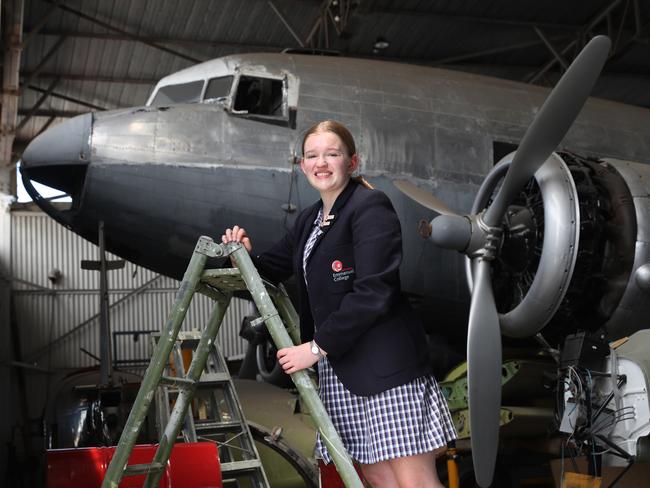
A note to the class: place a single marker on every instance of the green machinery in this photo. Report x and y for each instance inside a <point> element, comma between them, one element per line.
<point>281,320</point>
<point>527,407</point>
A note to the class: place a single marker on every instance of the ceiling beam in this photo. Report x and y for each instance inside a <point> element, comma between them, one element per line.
<point>624,46</point>
<point>66,114</point>
<point>550,47</point>
<point>189,43</point>
<point>445,16</point>
<point>95,78</point>
<point>50,53</point>
<point>12,28</point>
<point>113,28</point>
<point>335,13</point>
<point>599,17</point>
<point>68,98</point>
<point>320,23</point>
<point>285,23</point>
<point>36,28</point>
<point>494,50</point>
<point>39,102</point>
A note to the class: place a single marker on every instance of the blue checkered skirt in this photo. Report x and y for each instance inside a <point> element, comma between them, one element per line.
<point>406,420</point>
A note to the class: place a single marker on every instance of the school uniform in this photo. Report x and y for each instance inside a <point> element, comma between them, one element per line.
<point>376,379</point>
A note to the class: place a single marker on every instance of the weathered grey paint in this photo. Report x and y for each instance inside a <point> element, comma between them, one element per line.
<point>160,176</point>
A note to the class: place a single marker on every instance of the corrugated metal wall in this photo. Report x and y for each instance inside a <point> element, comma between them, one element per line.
<point>58,321</point>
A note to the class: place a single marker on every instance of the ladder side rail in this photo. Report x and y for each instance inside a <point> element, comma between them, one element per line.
<point>301,379</point>
<point>162,400</point>
<point>158,361</point>
<point>287,312</point>
<point>184,399</point>
<point>234,405</point>
<point>188,431</point>
<point>162,409</point>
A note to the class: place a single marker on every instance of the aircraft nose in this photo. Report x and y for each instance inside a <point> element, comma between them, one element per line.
<point>64,144</point>
<point>59,157</point>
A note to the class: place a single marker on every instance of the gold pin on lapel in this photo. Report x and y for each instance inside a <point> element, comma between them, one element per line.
<point>328,220</point>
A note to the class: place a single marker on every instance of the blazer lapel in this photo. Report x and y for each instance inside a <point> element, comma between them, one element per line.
<point>333,217</point>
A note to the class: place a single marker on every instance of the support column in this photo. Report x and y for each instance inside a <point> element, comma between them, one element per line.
<point>12,27</point>
<point>8,408</point>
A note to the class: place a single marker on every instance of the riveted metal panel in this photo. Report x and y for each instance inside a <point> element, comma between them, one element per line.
<point>637,179</point>
<point>642,209</point>
<point>633,311</point>
<point>636,176</point>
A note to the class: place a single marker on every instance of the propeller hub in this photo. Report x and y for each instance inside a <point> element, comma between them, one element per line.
<point>485,241</point>
<point>451,232</point>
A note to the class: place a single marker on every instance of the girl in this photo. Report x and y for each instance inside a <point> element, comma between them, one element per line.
<point>374,375</point>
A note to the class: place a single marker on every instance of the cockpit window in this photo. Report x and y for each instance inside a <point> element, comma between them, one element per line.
<point>259,96</point>
<point>218,88</point>
<point>181,93</point>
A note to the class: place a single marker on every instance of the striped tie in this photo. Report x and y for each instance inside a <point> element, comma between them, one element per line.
<point>309,245</point>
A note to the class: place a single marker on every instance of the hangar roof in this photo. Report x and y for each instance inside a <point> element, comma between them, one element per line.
<point>104,54</point>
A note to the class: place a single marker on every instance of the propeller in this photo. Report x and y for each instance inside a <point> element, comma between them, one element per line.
<point>423,197</point>
<point>479,237</point>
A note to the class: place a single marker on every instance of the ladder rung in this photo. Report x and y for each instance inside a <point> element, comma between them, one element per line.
<point>224,279</point>
<point>217,426</point>
<point>221,273</point>
<point>136,469</point>
<point>214,378</point>
<point>240,466</point>
<point>177,381</point>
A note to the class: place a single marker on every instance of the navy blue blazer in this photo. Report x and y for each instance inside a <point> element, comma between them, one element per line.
<point>351,302</point>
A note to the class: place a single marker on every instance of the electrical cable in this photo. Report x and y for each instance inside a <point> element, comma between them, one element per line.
<point>562,466</point>
<point>627,414</point>
<point>590,414</point>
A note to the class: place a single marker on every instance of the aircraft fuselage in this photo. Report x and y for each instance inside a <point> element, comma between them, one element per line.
<point>217,143</point>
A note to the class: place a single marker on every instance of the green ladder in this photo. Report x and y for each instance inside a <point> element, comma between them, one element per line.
<point>216,415</point>
<point>218,284</point>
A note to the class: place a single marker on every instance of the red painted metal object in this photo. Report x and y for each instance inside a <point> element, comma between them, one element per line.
<point>192,465</point>
<point>329,476</point>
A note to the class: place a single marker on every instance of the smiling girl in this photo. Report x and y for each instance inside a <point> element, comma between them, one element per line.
<point>374,372</point>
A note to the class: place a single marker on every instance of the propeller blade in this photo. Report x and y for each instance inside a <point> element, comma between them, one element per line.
<point>423,197</point>
<point>551,123</point>
<point>484,374</point>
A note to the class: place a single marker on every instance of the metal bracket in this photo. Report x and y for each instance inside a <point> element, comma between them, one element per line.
<point>485,240</point>
<point>260,320</point>
<point>210,248</point>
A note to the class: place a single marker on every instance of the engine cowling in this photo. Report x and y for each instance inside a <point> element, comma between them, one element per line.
<point>576,248</point>
<point>632,311</point>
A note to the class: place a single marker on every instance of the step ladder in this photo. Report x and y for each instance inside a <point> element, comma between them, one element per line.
<point>215,415</point>
<point>280,318</point>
